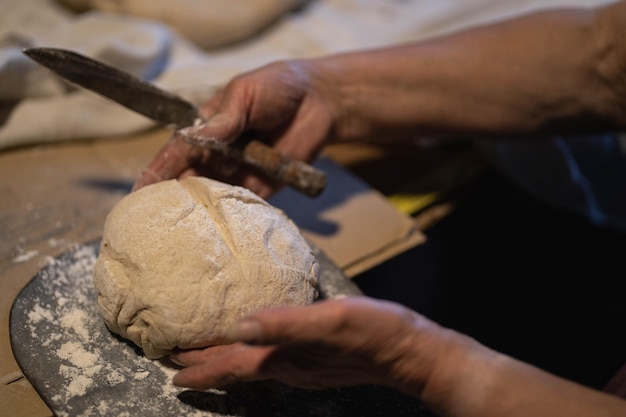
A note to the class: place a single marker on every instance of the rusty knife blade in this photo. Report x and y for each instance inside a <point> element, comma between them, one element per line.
<point>117,85</point>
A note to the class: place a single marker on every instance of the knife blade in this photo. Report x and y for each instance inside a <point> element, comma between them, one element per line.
<point>171,110</point>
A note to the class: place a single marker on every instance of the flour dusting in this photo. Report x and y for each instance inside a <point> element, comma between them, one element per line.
<point>91,372</point>
<point>24,257</point>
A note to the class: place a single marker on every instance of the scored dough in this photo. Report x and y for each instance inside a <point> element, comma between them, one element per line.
<point>181,261</point>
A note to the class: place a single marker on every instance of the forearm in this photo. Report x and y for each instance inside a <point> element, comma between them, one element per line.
<point>558,70</point>
<point>470,380</point>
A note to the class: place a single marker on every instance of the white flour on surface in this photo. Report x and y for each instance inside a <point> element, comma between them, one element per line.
<point>83,359</point>
<point>25,256</point>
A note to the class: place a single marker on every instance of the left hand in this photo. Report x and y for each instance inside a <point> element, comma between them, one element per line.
<point>333,343</point>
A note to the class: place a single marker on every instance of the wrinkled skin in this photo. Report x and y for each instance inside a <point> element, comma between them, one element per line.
<point>359,340</point>
<point>332,343</point>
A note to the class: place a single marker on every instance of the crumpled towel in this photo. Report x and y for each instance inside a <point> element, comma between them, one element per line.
<point>37,107</point>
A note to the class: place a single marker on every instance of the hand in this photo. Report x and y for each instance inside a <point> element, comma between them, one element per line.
<point>332,343</point>
<point>358,340</point>
<point>280,104</point>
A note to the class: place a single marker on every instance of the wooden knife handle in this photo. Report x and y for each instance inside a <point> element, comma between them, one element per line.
<point>297,174</point>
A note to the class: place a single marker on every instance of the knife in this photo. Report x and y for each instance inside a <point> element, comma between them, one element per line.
<point>171,110</point>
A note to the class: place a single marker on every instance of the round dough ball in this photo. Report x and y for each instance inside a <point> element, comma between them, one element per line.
<point>181,261</point>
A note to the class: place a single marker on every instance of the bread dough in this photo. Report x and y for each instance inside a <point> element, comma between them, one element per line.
<point>181,261</point>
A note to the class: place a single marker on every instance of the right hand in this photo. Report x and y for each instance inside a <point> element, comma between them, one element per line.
<point>283,104</point>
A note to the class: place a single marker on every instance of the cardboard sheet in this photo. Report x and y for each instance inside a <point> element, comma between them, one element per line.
<point>351,222</point>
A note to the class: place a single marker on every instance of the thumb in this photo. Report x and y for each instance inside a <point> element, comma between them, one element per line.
<point>219,128</point>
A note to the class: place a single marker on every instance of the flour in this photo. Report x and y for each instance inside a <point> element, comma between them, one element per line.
<point>76,321</point>
<point>77,355</point>
<point>39,313</point>
<point>115,377</point>
<point>85,361</point>
<point>140,375</point>
<point>24,257</point>
<point>79,385</point>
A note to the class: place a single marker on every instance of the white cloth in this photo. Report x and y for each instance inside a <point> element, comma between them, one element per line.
<point>207,23</point>
<point>37,107</point>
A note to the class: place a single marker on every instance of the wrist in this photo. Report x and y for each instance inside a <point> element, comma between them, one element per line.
<point>451,373</point>
<point>470,380</point>
<point>463,376</point>
<point>437,364</point>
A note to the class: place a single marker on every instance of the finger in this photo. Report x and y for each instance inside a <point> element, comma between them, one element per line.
<point>172,159</point>
<point>195,356</point>
<point>225,119</point>
<point>260,184</point>
<point>210,107</point>
<point>217,166</point>
<point>304,140</point>
<point>233,172</point>
<point>241,364</point>
<point>320,321</point>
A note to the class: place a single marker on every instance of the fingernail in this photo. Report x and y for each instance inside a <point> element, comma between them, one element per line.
<point>248,331</point>
<point>197,132</point>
